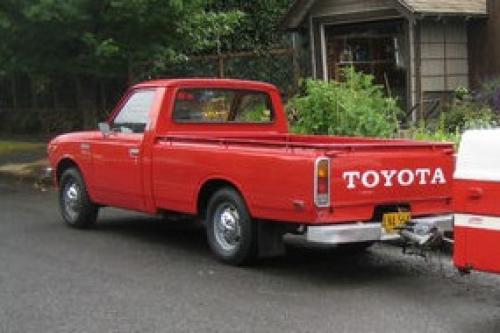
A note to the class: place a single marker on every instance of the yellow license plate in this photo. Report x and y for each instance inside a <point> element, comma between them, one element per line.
<point>392,221</point>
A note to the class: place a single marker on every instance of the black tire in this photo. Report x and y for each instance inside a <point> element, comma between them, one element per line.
<point>77,210</point>
<point>231,233</point>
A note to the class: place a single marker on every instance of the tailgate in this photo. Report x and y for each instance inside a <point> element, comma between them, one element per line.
<point>419,178</point>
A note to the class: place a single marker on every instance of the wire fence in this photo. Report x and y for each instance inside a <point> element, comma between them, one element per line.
<point>280,67</point>
<point>59,104</point>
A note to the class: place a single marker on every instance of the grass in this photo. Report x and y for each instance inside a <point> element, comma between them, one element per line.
<point>11,147</point>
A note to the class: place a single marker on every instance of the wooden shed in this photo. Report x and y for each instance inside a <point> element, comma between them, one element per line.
<point>417,49</point>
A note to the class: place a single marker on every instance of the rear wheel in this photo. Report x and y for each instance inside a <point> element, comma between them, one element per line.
<point>77,210</point>
<point>231,232</point>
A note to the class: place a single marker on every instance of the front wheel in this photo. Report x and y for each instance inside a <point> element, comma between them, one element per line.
<point>231,232</point>
<point>77,210</point>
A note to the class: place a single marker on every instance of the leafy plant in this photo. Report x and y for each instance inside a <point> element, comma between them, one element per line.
<point>353,107</point>
<point>489,94</point>
<point>439,133</point>
<point>465,112</point>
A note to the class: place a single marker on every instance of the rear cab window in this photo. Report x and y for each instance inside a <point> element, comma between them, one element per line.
<point>220,105</point>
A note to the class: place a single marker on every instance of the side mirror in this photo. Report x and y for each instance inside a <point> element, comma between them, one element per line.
<point>105,129</point>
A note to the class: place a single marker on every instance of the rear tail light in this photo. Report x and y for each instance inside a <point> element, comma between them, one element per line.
<point>322,182</point>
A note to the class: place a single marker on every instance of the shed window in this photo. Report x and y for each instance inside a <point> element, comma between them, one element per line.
<point>377,48</point>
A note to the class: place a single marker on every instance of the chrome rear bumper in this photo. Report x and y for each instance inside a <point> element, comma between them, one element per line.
<point>373,231</point>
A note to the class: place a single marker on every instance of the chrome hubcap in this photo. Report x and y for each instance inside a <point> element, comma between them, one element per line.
<point>71,198</point>
<point>227,227</point>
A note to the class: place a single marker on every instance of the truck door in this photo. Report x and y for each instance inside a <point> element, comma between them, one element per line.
<point>117,158</point>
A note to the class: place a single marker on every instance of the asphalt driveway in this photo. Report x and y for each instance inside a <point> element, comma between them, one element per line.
<point>135,273</point>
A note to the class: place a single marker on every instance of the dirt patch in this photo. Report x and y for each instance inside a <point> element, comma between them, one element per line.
<point>24,169</point>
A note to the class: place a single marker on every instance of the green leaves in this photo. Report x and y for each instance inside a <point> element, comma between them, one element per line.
<point>354,107</point>
<point>206,30</point>
<point>463,113</point>
<point>258,29</point>
<point>51,10</point>
<point>102,48</point>
<point>134,38</point>
<point>107,37</point>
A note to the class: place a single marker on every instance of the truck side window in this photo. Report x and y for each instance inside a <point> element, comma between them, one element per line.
<point>134,115</point>
<point>222,105</point>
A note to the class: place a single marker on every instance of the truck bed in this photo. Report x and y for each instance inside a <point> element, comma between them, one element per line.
<point>272,157</point>
<point>305,141</point>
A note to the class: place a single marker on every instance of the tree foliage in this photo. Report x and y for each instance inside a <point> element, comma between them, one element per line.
<point>94,48</point>
<point>106,37</point>
<point>208,30</point>
<point>259,28</point>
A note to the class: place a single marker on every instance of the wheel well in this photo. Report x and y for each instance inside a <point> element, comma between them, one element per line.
<point>207,190</point>
<point>64,165</point>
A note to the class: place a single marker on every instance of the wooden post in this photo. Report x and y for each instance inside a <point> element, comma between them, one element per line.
<point>220,58</point>
<point>409,53</point>
<point>418,70</point>
<point>221,65</point>
<point>296,71</point>
<point>445,64</point>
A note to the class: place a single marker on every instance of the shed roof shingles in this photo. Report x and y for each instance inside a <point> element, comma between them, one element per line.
<point>299,8</point>
<point>472,7</point>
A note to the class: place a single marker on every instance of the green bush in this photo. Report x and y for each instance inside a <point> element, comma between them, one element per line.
<point>438,132</point>
<point>353,107</point>
<point>465,113</point>
<point>489,94</point>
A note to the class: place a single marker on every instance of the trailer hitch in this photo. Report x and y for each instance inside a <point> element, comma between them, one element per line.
<point>420,237</point>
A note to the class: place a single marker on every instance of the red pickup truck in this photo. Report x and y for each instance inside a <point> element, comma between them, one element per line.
<point>220,150</point>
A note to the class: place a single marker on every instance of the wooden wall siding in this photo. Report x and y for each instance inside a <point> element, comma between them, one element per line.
<point>484,46</point>
<point>339,7</point>
<point>444,56</point>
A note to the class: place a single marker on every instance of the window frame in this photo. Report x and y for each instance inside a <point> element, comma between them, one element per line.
<point>272,121</point>
<point>125,101</point>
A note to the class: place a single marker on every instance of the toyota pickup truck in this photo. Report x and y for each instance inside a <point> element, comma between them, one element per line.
<point>220,150</point>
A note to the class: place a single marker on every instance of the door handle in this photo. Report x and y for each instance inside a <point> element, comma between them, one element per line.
<point>134,152</point>
<point>85,148</point>
<point>475,193</point>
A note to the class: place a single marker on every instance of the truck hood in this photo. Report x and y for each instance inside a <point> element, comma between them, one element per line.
<point>76,137</point>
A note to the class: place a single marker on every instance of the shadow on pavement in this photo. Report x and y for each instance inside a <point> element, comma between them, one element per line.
<point>318,264</point>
